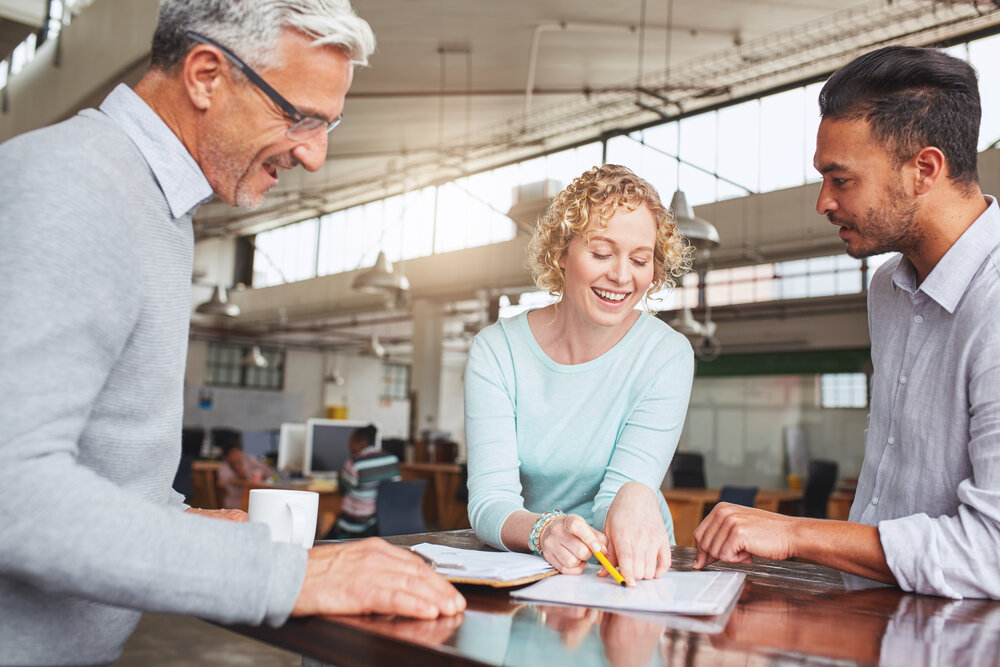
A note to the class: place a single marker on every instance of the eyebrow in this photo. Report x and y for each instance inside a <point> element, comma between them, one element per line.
<point>598,237</point>
<point>832,166</point>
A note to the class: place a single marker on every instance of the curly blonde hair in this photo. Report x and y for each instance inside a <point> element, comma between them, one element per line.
<point>594,197</point>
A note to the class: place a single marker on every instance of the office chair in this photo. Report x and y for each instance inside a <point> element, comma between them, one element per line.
<point>399,508</point>
<point>738,495</point>
<point>191,439</point>
<point>688,470</point>
<point>822,477</point>
<point>462,491</point>
<point>396,447</point>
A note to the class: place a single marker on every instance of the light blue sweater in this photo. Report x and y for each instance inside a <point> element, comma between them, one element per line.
<point>543,435</point>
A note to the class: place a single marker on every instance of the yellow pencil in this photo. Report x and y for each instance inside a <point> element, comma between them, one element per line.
<point>610,568</point>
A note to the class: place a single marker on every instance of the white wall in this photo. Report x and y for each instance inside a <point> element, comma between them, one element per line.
<point>305,395</point>
<point>451,414</point>
<point>738,424</point>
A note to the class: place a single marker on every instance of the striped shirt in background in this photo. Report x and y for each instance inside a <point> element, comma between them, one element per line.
<point>359,482</point>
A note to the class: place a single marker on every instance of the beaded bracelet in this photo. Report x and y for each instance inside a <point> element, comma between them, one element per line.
<point>536,530</point>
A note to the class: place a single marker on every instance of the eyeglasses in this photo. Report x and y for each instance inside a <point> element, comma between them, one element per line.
<point>303,125</point>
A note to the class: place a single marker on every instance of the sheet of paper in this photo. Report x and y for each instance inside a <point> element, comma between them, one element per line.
<point>694,593</point>
<point>472,564</point>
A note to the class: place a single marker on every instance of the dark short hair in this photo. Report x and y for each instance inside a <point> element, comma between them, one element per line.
<point>366,434</point>
<point>230,446</point>
<point>912,97</point>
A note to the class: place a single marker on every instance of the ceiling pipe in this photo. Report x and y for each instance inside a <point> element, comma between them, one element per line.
<point>565,26</point>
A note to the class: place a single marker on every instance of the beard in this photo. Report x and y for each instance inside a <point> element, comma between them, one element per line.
<point>231,172</point>
<point>890,226</point>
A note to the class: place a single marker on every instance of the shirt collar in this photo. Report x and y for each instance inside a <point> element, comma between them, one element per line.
<point>950,278</point>
<point>181,179</point>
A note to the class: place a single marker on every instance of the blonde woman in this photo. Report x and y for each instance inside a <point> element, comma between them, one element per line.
<point>573,411</point>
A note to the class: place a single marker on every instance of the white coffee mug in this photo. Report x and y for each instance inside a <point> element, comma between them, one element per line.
<point>291,515</point>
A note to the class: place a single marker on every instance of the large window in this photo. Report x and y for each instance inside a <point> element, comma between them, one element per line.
<point>395,382</point>
<point>464,213</point>
<point>758,145</point>
<point>843,390</point>
<point>227,366</point>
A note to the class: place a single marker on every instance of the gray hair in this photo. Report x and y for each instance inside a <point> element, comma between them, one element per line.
<point>251,28</point>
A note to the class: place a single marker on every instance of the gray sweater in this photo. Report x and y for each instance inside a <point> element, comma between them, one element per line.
<point>95,298</point>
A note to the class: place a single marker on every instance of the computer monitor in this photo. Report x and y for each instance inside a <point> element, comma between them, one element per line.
<point>328,444</point>
<point>292,447</point>
<point>262,444</point>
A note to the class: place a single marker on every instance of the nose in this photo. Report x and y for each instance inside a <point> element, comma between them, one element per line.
<point>618,271</point>
<point>825,203</point>
<point>311,153</point>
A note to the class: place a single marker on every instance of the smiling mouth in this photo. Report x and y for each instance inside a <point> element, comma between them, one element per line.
<point>613,297</point>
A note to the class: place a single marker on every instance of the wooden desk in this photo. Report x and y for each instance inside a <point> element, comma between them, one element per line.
<point>441,507</point>
<point>839,505</point>
<point>329,502</point>
<point>689,506</point>
<point>788,613</point>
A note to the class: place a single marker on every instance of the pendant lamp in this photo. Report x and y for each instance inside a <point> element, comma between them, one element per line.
<point>254,358</point>
<point>701,233</point>
<point>382,279</point>
<point>218,304</point>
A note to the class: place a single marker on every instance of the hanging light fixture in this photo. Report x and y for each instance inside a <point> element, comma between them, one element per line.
<point>686,324</point>
<point>382,279</point>
<point>373,348</point>
<point>218,304</point>
<point>254,358</point>
<point>701,233</point>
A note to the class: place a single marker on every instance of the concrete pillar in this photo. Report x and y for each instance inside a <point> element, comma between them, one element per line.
<point>425,375</point>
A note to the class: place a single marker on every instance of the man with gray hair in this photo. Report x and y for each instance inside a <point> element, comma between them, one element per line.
<point>96,213</point>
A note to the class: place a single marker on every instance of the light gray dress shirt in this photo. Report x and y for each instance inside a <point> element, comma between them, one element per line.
<point>931,475</point>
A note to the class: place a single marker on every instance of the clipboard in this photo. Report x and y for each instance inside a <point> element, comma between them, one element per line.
<point>497,569</point>
<point>495,583</point>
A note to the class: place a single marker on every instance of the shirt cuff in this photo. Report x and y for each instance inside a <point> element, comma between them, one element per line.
<point>284,581</point>
<point>917,569</point>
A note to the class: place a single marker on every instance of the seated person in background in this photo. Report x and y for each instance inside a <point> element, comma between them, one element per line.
<point>577,407</point>
<point>897,148</point>
<point>366,468</point>
<point>238,468</point>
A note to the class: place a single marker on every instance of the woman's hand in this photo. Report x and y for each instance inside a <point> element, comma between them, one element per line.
<point>637,539</point>
<point>567,541</point>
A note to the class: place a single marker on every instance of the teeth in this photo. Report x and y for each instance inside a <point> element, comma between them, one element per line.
<point>610,296</point>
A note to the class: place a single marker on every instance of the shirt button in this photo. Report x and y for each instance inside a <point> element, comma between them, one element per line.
<point>902,379</point>
<point>875,500</point>
<point>891,440</point>
<point>918,319</point>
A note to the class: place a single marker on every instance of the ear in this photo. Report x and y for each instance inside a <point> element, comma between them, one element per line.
<point>928,166</point>
<point>204,73</point>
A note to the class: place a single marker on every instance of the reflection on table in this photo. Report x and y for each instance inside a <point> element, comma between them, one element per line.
<point>689,506</point>
<point>329,500</point>
<point>788,613</point>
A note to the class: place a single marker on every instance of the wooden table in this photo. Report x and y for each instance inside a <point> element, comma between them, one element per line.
<point>689,506</point>
<point>441,506</point>
<point>330,501</point>
<point>788,613</point>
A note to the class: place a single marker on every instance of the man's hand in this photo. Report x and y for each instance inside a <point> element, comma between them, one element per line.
<point>734,534</point>
<point>226,515</point>
<point>373,577</point>
<point>637,539</point>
